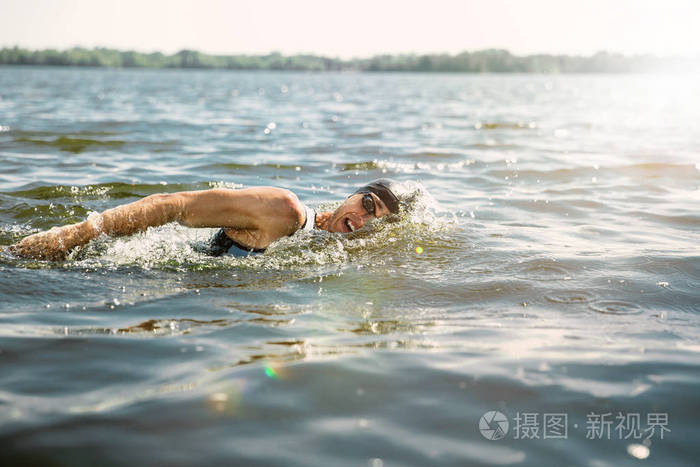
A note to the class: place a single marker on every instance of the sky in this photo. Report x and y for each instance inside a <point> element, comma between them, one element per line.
<point>358,28</point>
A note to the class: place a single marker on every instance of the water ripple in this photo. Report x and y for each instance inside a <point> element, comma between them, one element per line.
<point>615,307</point>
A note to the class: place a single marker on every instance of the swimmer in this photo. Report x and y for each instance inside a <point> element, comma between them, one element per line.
<point>249,219</point>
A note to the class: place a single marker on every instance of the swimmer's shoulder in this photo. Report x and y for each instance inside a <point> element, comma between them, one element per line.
<point>297,211</point>
<point>276,212</point>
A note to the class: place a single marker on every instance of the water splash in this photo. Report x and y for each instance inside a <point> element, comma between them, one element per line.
<point>174,247</point>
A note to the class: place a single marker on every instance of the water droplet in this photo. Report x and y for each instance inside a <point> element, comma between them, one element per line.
<point>638,451</point>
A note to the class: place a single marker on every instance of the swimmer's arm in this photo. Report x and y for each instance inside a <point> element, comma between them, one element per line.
<point>55,244</point>
<point>269,212</point>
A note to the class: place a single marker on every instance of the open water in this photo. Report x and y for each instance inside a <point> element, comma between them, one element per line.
<point>550,272</point>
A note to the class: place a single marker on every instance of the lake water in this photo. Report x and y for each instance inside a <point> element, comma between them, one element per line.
<point>551,272</point>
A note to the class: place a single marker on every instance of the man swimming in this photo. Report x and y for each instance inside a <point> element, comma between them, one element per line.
<point>250,219</point>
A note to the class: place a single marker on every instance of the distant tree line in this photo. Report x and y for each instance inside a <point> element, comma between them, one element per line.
<point>491,60</point>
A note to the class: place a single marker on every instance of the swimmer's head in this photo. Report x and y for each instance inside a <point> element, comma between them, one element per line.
<point>377,199</point>
<point>387,190</point>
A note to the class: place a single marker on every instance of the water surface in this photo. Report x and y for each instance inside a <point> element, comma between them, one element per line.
<point>559,271</point>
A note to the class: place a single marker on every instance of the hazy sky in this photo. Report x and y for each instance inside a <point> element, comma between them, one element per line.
<point>358,27</point>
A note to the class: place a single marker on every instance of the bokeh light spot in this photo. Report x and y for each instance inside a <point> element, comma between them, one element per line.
<point>270,372</point>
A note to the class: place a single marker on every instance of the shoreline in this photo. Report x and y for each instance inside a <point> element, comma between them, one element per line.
<point>475,62</point>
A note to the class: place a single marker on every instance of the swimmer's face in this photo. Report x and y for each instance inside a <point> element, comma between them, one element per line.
<point>355,211</point>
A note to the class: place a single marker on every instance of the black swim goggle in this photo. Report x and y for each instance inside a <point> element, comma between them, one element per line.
<point>369,205</point>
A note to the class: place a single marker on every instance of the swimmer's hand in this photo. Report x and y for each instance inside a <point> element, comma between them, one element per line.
<point>55,244</point>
